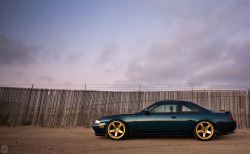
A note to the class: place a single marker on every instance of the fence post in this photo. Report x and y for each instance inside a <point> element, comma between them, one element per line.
<point>192,92</point>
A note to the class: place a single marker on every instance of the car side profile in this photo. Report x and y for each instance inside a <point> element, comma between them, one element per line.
<point>168,117</point>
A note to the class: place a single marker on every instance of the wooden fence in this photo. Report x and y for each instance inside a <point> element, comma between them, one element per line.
<point>23,106</point>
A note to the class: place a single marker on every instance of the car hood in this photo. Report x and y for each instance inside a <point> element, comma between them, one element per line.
<point>118,116</point>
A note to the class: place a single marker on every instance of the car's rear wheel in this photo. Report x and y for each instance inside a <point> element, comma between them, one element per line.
<point>204,130</point>
<point>117,130</point>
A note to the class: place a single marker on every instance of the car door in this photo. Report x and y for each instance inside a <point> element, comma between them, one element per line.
<point>189,115</point>
<point>161,118</point>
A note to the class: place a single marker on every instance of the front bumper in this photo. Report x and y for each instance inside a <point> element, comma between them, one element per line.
<point>100,129</point>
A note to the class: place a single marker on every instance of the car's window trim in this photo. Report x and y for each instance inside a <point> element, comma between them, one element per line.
<point>179,108</point>
<point>174,103</point>
<point>186,104</point>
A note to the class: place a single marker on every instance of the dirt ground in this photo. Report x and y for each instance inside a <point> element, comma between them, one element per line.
<point>30,139</point>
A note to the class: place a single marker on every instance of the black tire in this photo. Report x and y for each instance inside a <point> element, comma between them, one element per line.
<point>117,130</point>
<point>204,130</point>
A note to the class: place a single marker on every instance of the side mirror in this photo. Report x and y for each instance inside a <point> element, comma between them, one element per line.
<point>146,111</point>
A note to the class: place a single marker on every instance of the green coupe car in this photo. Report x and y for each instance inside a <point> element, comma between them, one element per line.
<point>169,117</point>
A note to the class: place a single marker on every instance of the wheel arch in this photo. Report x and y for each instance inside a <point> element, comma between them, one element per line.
<point>204,130</point>
<point>129,129</point>
<point>215,127</point>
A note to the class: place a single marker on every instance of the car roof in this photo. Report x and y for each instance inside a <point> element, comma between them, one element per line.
<point>186,102</point>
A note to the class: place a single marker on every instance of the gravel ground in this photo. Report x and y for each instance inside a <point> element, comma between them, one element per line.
<point>30,139</point>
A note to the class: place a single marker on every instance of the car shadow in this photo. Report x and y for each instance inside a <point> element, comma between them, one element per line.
<point>160,137</point>
<point>169,137</point>
<point>147,137</point>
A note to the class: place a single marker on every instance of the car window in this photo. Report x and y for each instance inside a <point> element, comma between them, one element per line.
<point>189,108</point>
<point>163,108</point>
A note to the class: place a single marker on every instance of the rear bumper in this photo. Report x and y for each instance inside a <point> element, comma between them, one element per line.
<point>226,127</point>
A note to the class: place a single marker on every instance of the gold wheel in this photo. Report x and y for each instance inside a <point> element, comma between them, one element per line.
<point>116,130</point>
<point>204,130</point>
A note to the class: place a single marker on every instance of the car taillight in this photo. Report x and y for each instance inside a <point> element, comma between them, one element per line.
<point>230,117</point>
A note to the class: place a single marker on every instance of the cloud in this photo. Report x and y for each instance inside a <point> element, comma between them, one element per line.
<point>45,79</point>
<point>75,57</point>
<point>107,54</point>
<point>13,52</point>
<point>107,60</point>
<point>208,44</point>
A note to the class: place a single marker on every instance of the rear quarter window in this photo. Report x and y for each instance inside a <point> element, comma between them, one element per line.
<point>188,108</point>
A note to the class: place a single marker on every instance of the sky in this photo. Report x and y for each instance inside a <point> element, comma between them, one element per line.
<point>125,42</point>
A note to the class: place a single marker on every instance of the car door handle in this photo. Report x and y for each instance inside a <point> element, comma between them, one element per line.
<point>173,117</point>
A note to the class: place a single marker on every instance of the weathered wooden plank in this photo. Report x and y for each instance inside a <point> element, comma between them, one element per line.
<point>81,108</point>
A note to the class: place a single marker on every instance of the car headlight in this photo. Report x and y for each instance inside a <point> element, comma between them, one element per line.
<point>97,121</point>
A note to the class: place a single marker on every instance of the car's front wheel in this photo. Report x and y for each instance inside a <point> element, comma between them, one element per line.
<point>117,130</point>
<point>204,130</point>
